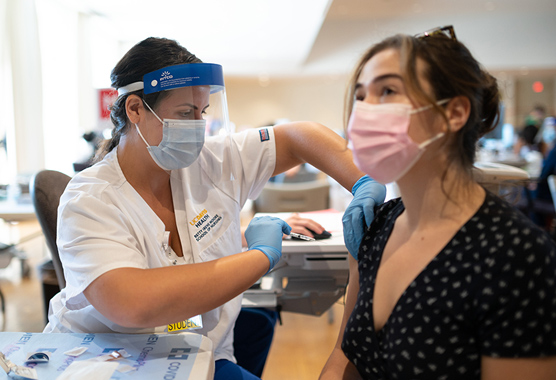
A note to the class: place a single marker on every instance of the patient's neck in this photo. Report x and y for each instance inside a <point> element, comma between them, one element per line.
<point>432,198</point>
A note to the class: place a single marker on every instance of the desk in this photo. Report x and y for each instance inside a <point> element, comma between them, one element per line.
<point>501,156</point>
<point>14,211</point>
<point>494,176</point>
<point>179,356</point>
<point>311,276</point>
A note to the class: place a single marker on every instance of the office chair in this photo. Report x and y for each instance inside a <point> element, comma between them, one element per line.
<point>294,197</point>
<point>46,189</point>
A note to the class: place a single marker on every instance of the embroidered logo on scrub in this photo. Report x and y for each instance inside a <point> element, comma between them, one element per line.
<point>204,222</point>
<point>265,136</point>
<point>199,219</point>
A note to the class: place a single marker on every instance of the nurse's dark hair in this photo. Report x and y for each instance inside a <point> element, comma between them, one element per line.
<point>148,55</point>
<point>452,71</point>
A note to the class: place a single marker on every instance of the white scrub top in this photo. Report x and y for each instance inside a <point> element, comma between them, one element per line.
<point>103,224</point>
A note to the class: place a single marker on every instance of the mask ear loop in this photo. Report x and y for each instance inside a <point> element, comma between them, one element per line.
<point>426,143</point>
<point>420,109</point>
<point>137,127</point>
<point>150,109</point>
<point>141,135</point>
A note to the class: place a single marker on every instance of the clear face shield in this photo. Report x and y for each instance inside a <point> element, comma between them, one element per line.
<point>194,116</point>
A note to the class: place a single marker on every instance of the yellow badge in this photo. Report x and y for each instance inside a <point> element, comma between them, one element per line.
<point>189,324</point>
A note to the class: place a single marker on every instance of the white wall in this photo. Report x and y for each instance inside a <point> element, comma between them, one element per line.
<point>317,99</point>
<point>78,50</point>
<point>527,98</point>
<point>25,134</point>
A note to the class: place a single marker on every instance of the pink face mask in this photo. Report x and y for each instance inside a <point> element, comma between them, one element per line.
<point>378,138</point>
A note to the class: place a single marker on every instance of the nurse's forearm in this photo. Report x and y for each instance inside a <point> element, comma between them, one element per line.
<point>317,145</point>
<point>142,298</point>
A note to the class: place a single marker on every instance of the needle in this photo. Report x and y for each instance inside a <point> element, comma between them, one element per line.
<point>302,237</point>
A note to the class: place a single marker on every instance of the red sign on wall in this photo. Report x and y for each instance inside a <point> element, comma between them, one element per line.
<point>106,97</point>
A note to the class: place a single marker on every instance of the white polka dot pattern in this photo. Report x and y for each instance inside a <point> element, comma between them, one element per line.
<point>491,291</point>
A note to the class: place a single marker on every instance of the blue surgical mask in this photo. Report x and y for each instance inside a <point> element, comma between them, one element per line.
<point>182,141</point>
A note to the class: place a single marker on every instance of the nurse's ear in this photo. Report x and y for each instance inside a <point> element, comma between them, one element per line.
<point>134,108</point>
<point>457,112</point>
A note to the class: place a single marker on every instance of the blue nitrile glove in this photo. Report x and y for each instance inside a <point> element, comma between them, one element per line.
<point>367,193</point>
<point>265,234</point>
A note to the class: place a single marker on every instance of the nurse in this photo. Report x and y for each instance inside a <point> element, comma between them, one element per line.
<point>149,236</point>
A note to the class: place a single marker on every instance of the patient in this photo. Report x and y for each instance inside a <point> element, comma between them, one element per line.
<point>449,282</point>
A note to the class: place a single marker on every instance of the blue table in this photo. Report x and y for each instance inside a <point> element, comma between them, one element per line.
<point>152,356</point>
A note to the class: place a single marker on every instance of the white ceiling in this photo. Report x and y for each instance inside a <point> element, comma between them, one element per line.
<point>315,37</point>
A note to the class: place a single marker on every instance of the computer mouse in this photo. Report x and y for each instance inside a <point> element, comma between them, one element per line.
<point>324,235</point>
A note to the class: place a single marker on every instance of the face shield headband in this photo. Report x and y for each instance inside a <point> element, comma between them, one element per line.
<point>184,75</point>
<point>215,162</point>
